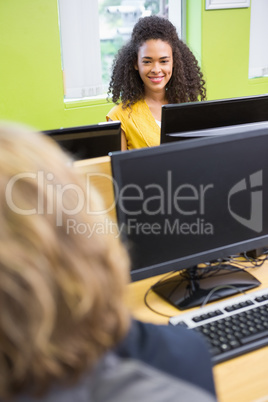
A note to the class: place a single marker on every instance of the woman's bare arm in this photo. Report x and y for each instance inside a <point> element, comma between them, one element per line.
<point>123,139</point>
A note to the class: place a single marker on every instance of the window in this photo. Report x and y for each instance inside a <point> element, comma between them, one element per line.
<point>92,31</point>
<point>258,47</point>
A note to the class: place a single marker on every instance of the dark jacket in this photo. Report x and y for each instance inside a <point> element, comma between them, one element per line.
<point>125,380</point>
<point>154,363</point>
<point>177,351</point>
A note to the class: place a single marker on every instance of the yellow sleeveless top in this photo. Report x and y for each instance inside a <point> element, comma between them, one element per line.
<point>138,123</point>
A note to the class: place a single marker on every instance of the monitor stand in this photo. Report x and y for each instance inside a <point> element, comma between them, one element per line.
<point>194,286</point>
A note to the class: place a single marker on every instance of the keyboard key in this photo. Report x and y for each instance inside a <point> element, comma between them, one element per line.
<point>234,344</point>
<point>254,337</point>
<point>225,347</point>
<point>197,319</point>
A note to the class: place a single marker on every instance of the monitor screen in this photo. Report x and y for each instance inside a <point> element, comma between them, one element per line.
<point>191,202</point>
<point>194,119</point>
<point>90,141</point>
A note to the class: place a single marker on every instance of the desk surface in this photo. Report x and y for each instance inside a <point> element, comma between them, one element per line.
<point>243,379</point>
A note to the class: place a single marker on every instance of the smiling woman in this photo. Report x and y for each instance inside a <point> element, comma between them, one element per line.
<point>154,68</point>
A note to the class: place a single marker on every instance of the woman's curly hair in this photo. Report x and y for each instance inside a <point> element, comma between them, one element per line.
<point>186,83</point>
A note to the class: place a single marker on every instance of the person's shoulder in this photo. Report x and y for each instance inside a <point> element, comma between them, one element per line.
<point>177,343</point>
<point>183,353</point>
<point>180,339</point>
<point>116,108</point>
<point>117,112</point>
<point>145,329</point>
<point>120,380</point>
<point>130,379</point>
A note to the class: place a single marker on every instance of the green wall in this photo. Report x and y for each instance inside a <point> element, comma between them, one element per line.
<point>30,67</point>
<point>222,39</point>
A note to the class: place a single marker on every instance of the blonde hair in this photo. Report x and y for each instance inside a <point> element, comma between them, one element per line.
<point>61,292</point>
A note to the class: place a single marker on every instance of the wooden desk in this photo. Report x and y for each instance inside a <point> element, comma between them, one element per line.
<point>243,379</point>
<point>98,171</point>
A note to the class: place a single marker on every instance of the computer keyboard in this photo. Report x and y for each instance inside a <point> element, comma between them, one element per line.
<point>231,327</point>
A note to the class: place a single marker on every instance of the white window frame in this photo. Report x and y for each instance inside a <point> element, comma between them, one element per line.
<point>258,45</point>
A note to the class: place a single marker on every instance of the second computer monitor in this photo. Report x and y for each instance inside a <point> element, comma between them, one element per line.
<point>194,119</point>
<point>89,141</point>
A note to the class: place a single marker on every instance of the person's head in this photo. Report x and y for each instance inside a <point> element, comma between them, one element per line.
<point>185,82</point>
<point>61,290</point>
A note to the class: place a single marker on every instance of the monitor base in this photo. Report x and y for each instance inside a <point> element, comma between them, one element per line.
<point>195,286</point>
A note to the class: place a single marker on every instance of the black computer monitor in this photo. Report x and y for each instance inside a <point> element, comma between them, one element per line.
<point>89,141</point>
<point>191,202</point>
<point>197,119</point>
